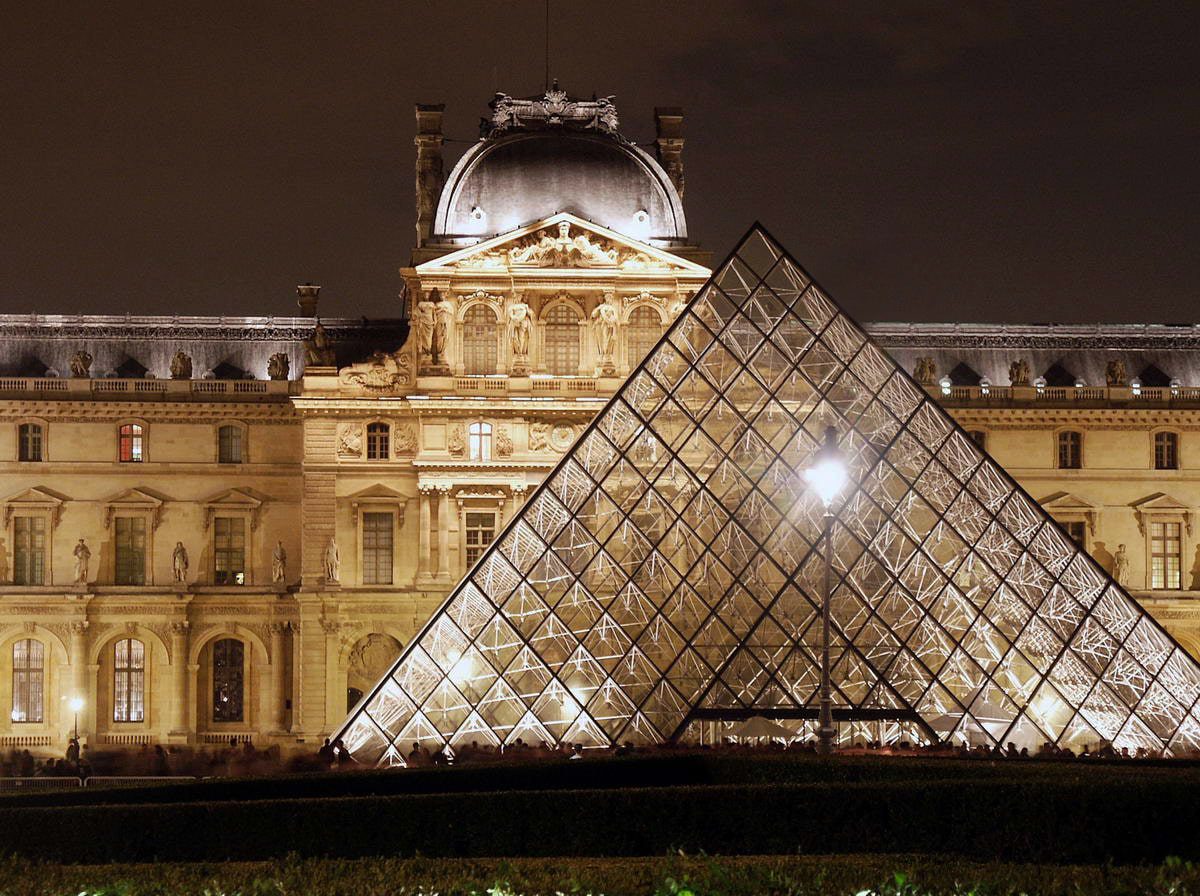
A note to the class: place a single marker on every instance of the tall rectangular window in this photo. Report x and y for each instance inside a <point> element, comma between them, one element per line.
<point>481,529</point>
<point>1166,555</point>
<point>229,445</point>
<point>229,684</point>
<point>229,550</point>
<point>29,550</point>
<point>378,441</point>
<point>29,442</point>
<point>130,550</point>
<point>131,443</point>
<point>479,441</point>
<point>1070,450</point>
<point>28,680</point>
<point>129,681</point>
<point>377,548</point>
<point>562,341</point>
<point>1166,451</point>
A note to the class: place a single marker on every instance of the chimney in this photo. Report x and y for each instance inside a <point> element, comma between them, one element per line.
<point>306,298</point>
<point>668,143</point>
<point>429,167</point>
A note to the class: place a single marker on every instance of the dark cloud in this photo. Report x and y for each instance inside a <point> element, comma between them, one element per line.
<point>956,161</point>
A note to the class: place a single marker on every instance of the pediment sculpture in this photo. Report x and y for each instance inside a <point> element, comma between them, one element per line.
<point>381,372</point>
<point>562,250</point>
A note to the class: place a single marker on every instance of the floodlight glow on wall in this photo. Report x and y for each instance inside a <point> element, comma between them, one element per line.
<point>828,475</point>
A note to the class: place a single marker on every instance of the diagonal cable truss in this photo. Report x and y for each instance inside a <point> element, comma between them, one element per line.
<point>668,570</point>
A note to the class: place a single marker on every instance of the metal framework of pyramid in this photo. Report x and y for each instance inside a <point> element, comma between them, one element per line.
<point>668,572</point>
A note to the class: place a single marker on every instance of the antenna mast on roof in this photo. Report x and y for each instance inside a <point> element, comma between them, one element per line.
<point>547,88</point>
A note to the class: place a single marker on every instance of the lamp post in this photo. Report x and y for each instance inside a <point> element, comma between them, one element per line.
<point>76,705</point>
<point>827,476</point>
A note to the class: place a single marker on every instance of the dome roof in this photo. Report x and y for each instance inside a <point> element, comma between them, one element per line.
<point>504,182</point>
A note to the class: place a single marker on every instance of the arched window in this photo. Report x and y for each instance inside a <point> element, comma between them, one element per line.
<point>129,680</point>
<point>1070,450</point>
<point>479,441</point>
<point>1166,451</point>
<point>229,444</point>
<point>562,341</point>
<point>29,442</point>
<point>644,330</point>
<point>378,440</point>
<point>131,443</point>
<point>228,671</point>
<point>28,680</point>
<point>479,340</point>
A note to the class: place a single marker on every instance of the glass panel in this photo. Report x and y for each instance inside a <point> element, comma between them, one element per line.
<point>129,680</point>
<point>28,679</point>
<point>229,550</point>
<point>130,443</point>
<point>479,340</point>
<point>228,680</point>
<point>479,441</point>
<point>562,341</point>
<point>29,550</point>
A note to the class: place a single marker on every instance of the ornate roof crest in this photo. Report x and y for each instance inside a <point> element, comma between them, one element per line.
<point>553,110</point>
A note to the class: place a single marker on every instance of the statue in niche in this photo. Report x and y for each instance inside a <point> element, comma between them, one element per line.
<point>278,563</point>
<point>457,443</point>
<point>1018,372</point>
<point>179,562</point>
<point>333,561</point>
<point>1114,373</point>
<point>317,349</point>
<point>405,439</point>
<point>1121,567</point>
<point>278,366</point>
<point>83,557</point>
<point>925,371</point>
<point>181,367</point>
<point>504,444</point>
<point>81,365</point>
<point>423,327</point>
<point>604,324</point>
<point>539,437</point>
<point>519,328</point>
<point>443,314</point>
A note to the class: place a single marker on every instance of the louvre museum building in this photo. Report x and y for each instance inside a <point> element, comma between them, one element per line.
<point>562,495</point>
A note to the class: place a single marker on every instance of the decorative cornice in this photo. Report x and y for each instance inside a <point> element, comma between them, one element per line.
<point>1111,337</point>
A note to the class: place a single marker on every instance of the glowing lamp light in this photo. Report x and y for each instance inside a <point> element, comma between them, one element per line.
<point>1136,385</point>
<point>945,383</point>
<point>828,475</point>
<point>76,704</point>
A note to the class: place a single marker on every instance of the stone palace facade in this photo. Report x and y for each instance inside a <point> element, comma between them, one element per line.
<point>222,528</point>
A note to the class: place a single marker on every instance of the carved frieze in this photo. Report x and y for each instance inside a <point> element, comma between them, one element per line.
<point>404,440</point>
<point>381,373</point>
<point>349,440</point>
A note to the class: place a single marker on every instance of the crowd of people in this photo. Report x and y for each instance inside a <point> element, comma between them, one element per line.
<point>243,759</point>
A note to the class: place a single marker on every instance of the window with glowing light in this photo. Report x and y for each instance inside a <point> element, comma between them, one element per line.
<point>131,443</point>
<point>642,333</point>
<point>562,341</point>
<point>378,440</point>
<point>1166,556</point>
<point>228,677</point>
<point>29,550</point>
<point>129,680</point>
<point>28,679</point>
<point>479,441</point>
<point>480,338</point>
<point>1070,450</point>
<point>1166,451</point>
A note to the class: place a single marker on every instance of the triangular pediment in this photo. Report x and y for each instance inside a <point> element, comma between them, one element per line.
<point>134,497</point>
<point>234,497</point>
<point>562,242</point>
<point>35,496</point>
<point>670,571</point>
<point>379,492</point>
<point>1066,501</point>
<point>1160,502</point>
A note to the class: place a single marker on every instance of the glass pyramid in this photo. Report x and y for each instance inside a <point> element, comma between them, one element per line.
<point>669,570</point>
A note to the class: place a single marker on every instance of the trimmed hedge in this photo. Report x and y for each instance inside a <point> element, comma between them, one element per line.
<point>665,875</point>
<point>1117,818</point>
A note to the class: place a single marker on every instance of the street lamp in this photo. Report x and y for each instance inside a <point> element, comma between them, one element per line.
<point>76,706</point>
<point>827,477</point>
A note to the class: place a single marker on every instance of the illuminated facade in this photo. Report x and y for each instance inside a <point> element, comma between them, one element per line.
<point>548,260</point>
<point>667,573</point>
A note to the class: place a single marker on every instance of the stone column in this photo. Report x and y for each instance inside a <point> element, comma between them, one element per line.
<point>443,533</point>
<point>179,678</point>
<point>462,536</point>
<point>79,677</point>
<point>276,715</point>
<point>423,538</point>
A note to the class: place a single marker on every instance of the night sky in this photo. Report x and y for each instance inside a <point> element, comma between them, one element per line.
<point>947,161</point>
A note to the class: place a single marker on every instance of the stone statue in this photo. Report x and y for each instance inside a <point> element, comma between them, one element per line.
<point>179,562</point>
<point>457,443</point>
<point>423,327</point>
<point>544,250</point>
<point>1018,372</point>
<point>317,350</point>
<point>83,557</point>
<point>181,367</point>
<point>504,445</point>
<point>925,371</point>
<point>539,437</point>
<point>333,561</point>
<point>443,314</point>
<point>81,365</point>
<point>1121,567</point>
<point>278,366</point>
<point>519,327</point>
<point>1114,373</point>
<point>604,320</point>
<point>278,563</point>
